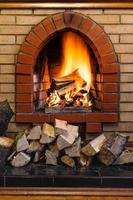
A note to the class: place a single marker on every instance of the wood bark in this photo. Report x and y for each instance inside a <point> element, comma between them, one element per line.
<point>112,148</point>
<point>50,158</point>
<point>68,161</point>
<point>94,146</point>
<point>20,160</point>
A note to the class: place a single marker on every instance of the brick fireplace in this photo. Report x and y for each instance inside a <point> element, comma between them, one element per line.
<point>108,31</point>
<point>106,77</point>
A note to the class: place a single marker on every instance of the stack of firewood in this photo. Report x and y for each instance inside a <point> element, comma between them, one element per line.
<point>62,144</point>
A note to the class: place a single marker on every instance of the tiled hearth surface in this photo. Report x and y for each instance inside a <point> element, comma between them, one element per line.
<point>40,175</point>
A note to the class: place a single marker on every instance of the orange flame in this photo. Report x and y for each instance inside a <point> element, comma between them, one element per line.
<point>76,56</point>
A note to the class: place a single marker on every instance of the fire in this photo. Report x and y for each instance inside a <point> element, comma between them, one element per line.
<point>75,56</point>
<point>71,88</point>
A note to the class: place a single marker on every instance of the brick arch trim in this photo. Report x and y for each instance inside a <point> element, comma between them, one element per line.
<point>38,37</point>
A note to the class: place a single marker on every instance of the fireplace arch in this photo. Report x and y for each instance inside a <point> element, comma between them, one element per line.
<point>108,77</point>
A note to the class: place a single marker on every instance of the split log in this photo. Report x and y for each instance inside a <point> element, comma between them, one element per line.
<point>68,83</point>
<point>35,133</point>
<point>48,130</point>
<point>6,142</point>
<point>48,134</point>
<point>45,139</point>
<point>22,144</point>
<point>40,154</point>
<point>54,149</point>
<point>125,157</point>
<point>84,160</point>
<point>74,76</point>
<point>56,85</point>
<point>66,140</point>
<point>60,127</point>
<point>20,160</point>
<point>34,146</point>
<point>94,146</point>
<point>74,150</point>
<point>50,158</point>
<point>68,161</point>
<point>112,148</point>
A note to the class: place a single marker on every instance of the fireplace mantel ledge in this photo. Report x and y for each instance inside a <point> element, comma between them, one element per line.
<point>19,5</point>
<point>32,191</point>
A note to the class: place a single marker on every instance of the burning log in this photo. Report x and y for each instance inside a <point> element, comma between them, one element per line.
<point>20,160</point>
<point>35,133</point>
<point>112,148</point>
<point>94,146</point>
<point>74,76</point>
<point>74,150</point>
<point>68,161</point>
<point>66,140</point>
<point>71,82</point>
<point>22,143</point>
<point>50,158</point>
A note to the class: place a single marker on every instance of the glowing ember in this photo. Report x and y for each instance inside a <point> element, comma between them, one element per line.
<point>71,87</point>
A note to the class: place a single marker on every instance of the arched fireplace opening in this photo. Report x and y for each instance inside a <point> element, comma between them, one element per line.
<point>65,75</point>
<point>40,47</point>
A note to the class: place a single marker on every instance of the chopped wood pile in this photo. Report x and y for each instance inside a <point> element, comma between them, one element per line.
<point>62,144</point>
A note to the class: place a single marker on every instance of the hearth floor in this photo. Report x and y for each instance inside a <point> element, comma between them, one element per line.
<point>40,175</point>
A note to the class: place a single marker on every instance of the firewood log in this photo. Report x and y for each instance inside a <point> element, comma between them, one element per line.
<point>45,139</point>
<point>74,76</point>
<point>66,140</point>
<point>50,158</point>
<point>39,155</point>
<point>60,127</point>
<point>68,161</point>
<point>48,130</point>
<point>34,146</point>
<point>6,142</point>
<point>94,146</point>
<point>68,83</point>
<point>56,85</point>
<point>125,157</point>
<point>20,160</point>
<point>48,134</point>
<point>22,144</point>
<point>84,160</point>
<point>35,133</point>
<point>54,149</point>
<point>74,150</point>
<point>112,148</point>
